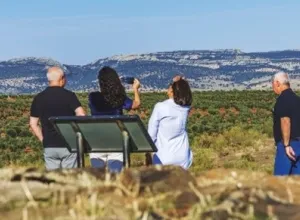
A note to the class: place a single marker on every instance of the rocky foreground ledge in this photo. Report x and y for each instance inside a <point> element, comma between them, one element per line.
<point>146,193</point>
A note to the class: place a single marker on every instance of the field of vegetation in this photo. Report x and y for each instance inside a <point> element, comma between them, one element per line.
<point>226,129</point>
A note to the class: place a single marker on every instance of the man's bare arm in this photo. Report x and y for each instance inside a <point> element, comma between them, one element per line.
<point>79,111</point>
<point>285,123</point>
<point>34,124</point>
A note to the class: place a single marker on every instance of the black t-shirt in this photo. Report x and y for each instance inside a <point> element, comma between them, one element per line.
<point>53,101</point>
<point>287,105</point>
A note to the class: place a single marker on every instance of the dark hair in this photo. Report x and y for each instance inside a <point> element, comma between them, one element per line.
<point>111,87</point>
<point>182,93</point>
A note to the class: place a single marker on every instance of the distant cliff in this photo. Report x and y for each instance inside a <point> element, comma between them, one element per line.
<point>205,69</point>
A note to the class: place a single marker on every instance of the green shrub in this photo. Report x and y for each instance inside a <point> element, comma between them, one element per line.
<point>203,159</point>
<point>11,132</point>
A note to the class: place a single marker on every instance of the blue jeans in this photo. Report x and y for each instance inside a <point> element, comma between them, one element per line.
<point>283,165</point>
<point>156,160</point>
<point>114,166</point>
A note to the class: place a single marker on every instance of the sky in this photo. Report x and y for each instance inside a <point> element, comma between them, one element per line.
<point>80,32</point>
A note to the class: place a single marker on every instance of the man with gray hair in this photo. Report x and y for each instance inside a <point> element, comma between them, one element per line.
<point>286,127</point>
<point>55,100</point>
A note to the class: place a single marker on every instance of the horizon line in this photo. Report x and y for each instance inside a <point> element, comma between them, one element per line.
<point>145,53</point>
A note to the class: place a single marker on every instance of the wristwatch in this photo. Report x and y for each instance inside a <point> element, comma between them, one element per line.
<point>287,145</point>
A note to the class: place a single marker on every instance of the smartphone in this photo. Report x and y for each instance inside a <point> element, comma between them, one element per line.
<point>128,80</point>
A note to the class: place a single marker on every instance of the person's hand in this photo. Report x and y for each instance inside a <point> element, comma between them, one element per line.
<point>136,84</point>
<point>290,153</point>
<point>177,78</point>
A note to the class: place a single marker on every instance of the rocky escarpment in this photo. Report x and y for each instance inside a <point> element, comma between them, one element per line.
<point>147,193</point>
<point>204,69</point>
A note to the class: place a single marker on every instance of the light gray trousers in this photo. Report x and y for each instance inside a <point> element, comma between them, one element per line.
<point>56,158</point>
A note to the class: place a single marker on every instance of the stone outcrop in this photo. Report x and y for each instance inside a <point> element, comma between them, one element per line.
<point>153,192</point>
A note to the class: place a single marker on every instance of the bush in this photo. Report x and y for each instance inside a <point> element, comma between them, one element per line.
<point>25,133</point>
<point>203,160</point>
<point>11,133</point>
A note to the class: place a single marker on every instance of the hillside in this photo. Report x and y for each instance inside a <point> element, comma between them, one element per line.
<point>206,70</point>
<point>236,133</point>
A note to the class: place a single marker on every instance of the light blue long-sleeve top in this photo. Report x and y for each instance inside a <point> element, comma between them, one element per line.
<point>167,128</point>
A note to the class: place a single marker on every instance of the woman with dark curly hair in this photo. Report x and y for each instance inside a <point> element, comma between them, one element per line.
<point>111,100</point>
<point>167,126</point>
